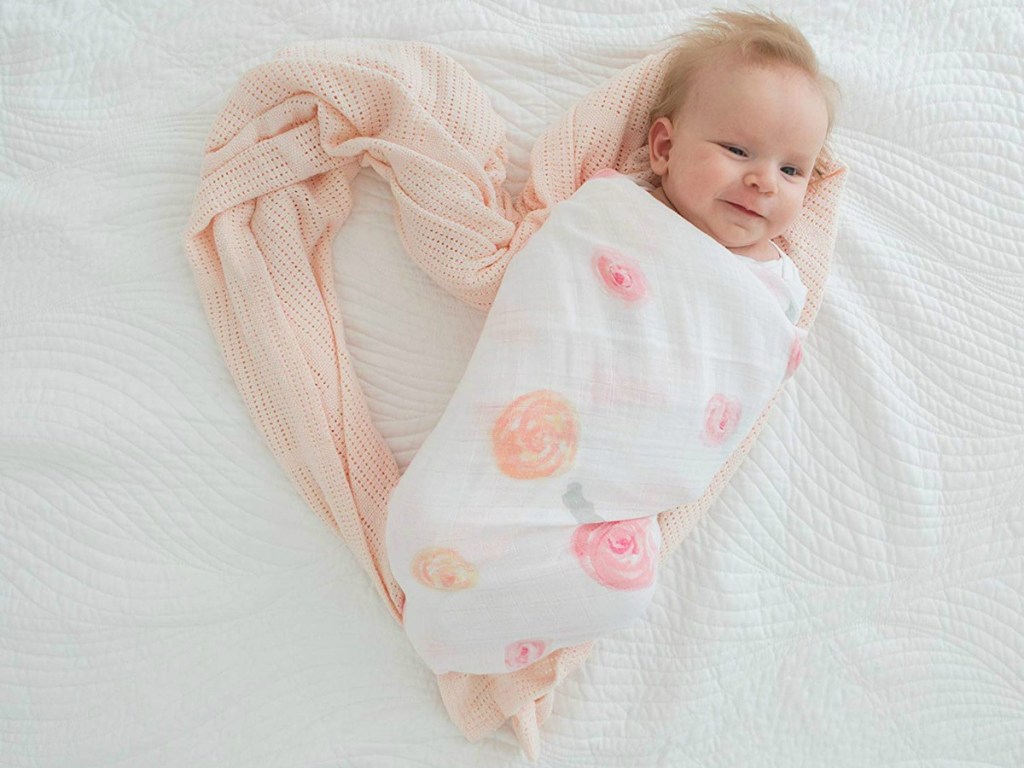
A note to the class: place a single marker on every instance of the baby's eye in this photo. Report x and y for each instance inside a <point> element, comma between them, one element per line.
<point>789,170</point>
<point>735,150</point>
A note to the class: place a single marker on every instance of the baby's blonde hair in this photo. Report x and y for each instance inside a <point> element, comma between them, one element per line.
<point>749,37</point>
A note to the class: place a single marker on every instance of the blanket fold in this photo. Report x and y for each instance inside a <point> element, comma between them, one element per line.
<point>275,188</point>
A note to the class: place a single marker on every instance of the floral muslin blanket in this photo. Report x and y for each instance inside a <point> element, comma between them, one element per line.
<point>625,356</point>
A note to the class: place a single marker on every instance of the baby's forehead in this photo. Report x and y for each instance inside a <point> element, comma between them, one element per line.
<point>748,96</point>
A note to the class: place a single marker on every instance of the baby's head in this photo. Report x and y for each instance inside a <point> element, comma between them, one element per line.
<point>738,129</point>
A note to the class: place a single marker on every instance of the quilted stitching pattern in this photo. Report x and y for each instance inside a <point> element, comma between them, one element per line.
<point>852,598</point>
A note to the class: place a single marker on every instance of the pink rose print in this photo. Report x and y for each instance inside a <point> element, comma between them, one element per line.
<point>796,355</point>
<point>605,173</point>
<point>620,276</point>
<point>536,436</point>
<point>523,653</point>
<point>720,419</point>
<point>619,554</point>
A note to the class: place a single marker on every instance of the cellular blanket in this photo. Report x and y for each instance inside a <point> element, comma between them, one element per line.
<point>276,186</point>
<point>625,355</point>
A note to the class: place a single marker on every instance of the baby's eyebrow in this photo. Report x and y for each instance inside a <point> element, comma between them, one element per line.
<point>803,160</point>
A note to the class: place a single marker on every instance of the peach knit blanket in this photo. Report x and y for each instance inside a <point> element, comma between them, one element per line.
<point>275,188</point>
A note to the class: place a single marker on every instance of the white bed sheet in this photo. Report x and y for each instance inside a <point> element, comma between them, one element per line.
<point>853,598</point>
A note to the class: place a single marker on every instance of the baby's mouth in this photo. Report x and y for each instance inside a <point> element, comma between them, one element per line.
<point>742,209</point>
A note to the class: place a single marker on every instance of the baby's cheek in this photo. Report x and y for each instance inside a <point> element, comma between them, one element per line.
<point>793,209</point>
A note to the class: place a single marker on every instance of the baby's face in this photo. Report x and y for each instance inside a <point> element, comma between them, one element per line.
<point>737,160</point>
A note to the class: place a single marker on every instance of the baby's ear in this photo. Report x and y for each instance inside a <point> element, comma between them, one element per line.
<point>659,142</point>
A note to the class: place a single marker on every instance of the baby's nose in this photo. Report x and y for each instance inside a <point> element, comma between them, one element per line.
<point>763,180</point>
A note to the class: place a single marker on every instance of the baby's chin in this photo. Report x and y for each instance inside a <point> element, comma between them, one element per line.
<point>761,250</point>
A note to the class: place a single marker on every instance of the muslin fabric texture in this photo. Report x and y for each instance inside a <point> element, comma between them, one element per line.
<point>275,188</point>
<point>624,357</point>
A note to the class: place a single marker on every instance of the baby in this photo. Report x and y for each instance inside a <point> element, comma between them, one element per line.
<point>625,356</point>
<point>737,132</point>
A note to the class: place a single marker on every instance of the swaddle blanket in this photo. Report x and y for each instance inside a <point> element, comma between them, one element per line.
<point>625,355</point>
<point>275,188</point>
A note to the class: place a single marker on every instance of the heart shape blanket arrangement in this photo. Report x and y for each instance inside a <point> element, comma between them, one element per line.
<point>276,186</point>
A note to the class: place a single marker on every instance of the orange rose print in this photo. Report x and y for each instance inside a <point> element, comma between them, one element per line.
<point>536,436</point>
<point>440,568</point>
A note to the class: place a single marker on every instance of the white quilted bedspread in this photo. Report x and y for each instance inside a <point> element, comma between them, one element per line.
<point>854,597</point>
